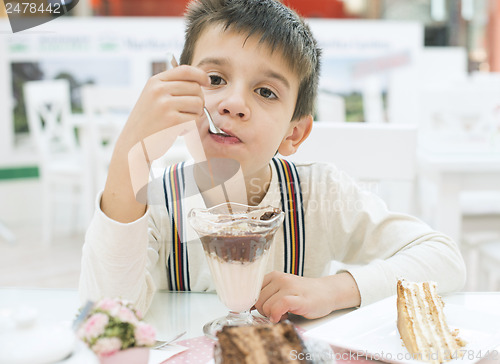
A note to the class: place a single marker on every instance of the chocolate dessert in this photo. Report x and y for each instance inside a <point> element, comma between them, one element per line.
<point>270,214</point>
<point>239,242</point>
<point>237,248</point>
<point>261,344</point>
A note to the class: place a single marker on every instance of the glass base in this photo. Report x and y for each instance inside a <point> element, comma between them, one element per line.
<point>245,318</point>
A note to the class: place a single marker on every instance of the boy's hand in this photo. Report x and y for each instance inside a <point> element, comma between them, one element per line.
<point>170,105</point>
<point>168,99</point>
<point>309,297</point>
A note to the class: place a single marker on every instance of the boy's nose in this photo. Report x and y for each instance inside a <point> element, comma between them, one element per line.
<point>235,106</point>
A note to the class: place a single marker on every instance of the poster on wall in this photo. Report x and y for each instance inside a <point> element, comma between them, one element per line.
<point>368,67</point>
<point>111,52</point>
<point>369,70</point>
<point>77,71</point>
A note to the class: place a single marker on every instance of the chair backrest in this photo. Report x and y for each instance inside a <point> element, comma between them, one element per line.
<point>363,150</point>
<point>377,155</point>
<point>48,109</point>
<point>106,109</point>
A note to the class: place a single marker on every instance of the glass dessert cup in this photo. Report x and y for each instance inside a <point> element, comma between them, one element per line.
<point>236,239</point>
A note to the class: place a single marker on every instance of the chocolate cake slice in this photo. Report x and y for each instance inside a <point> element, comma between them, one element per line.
<point>261,344</point>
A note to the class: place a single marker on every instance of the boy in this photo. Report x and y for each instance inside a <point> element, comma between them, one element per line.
<point>255,65</point>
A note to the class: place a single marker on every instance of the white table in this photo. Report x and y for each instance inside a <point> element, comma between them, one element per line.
<point>170,312</point>
<point>452,172</point>
<point>174,312</point>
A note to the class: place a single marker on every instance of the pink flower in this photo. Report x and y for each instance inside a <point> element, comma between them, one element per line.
<point>125,314</point>
<point>107,346</point>
<point>108,304</point>
<point>94,326</point>
<point>144,334</point>
<point>104,332</point>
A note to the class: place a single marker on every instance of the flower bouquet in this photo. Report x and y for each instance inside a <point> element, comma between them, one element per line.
<point>113,330</point>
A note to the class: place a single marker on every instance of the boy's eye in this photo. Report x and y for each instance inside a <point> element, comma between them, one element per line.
<point>216,80</point>
<point>265,92</point>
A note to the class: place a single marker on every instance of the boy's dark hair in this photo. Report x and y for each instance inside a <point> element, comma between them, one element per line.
<point>279,27</point>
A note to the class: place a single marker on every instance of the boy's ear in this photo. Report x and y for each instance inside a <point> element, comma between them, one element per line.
<point>298,132</point>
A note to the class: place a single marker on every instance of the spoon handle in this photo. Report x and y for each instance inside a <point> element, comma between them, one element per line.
<point>172,61</point>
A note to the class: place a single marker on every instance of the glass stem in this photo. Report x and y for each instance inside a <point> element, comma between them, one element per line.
<point>239,318</point>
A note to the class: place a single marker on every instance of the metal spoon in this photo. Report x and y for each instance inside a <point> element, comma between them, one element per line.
<point>77,322</point>
<point>172,63</point>
<point>161,344</point>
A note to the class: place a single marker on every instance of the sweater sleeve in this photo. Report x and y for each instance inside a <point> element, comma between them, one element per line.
<point>379,246</point>
<point>116,257</point>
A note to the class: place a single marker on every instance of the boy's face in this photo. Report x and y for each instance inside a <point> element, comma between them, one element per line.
<point>252,97</point>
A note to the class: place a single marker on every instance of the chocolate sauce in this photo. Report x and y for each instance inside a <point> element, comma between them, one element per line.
<point>237,248</point>
<point>270,214</point>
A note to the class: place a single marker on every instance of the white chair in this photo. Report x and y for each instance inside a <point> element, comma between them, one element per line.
<point>482,92</point>
<point>381,157</point>
<point>489,265</point>
<point>442,64</point>
<point>475,246</point>
<point>462,117</point>
<point>48,110</point>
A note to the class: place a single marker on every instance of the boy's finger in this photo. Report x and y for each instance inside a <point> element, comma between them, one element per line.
<point>283,306</point>
<point>189,104</point>
<point>278,309</point>
<point>184,88</point>
<point>267,280</point>
<point>272,276</point>
<point>275,304</point>
<point>185,73</point>
<point>265,294</point>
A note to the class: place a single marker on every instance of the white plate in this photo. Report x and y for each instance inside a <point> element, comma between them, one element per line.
<point>47,343</point>
<point>372,332</point>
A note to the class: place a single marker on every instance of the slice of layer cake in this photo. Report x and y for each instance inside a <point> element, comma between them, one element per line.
<point>422,324</point>
<point>261,344</point>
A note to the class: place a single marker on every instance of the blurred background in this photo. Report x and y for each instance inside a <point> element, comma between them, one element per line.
<point>409,104</point>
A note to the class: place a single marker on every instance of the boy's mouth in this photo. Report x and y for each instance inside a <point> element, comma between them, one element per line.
<point>229,139</point>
